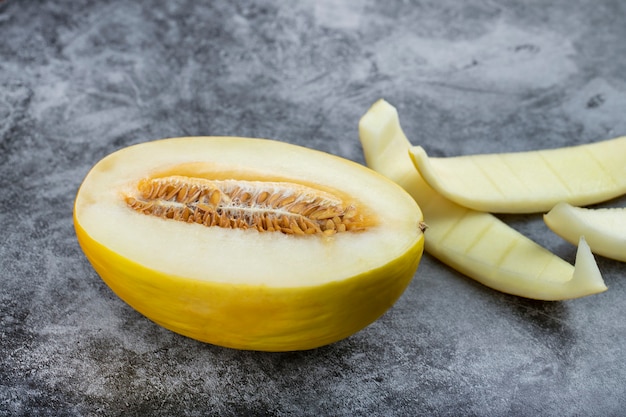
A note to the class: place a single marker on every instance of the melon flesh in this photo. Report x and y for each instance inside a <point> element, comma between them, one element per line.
<point>241,287</point>
<point>473,242</point>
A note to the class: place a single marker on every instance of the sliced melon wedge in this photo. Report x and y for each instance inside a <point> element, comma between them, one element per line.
<point>603,228</point>
<point>248,243</point>
<point>528,182</point>
<point>475,243</point>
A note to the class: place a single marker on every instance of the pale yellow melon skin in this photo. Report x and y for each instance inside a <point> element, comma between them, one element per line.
<point>256,315</point>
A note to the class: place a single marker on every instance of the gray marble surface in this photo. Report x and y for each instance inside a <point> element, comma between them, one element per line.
<point>80,79</point>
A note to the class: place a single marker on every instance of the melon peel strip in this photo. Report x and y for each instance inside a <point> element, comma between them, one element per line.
<point>475,243</point>
<point>604,228</point>
<point>529,182</point>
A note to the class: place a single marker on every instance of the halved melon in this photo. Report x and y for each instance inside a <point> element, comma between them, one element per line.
<point>248,243</point>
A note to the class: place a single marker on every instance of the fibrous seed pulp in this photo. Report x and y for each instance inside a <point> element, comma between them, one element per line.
<point>265,206</point>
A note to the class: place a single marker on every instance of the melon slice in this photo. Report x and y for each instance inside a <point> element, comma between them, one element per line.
<point>603,228</point>
<point>248,243</point>
<point>529,182</point>
<point>475,243</point>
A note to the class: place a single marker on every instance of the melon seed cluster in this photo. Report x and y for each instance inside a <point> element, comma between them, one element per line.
<point>265,206</point>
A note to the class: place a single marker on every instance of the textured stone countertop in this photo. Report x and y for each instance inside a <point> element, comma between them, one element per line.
<point>81,79</point>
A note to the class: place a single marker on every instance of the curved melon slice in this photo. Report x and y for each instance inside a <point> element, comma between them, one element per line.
<point>529,182</point>
<point>248,243</point>
<point>604,228</point>
<point>474,243</point>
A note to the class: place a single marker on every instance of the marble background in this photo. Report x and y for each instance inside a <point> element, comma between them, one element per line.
<point>80,79</point>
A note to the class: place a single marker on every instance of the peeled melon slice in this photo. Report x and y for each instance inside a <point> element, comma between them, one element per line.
<point>472,242</point>
<point>603,228</point>
<point>529,182</point>
<point>248,243</point>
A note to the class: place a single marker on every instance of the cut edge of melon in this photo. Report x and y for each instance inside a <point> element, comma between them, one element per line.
<point>587,276</point>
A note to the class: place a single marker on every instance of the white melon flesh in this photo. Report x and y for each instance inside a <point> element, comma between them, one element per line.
<point>243,256</point>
